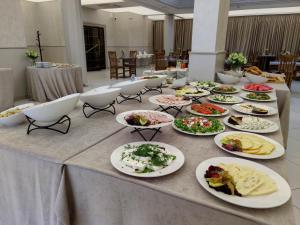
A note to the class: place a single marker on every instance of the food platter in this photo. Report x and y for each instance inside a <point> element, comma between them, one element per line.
<point>14,116</point>
<point>165,116</point>
<point>275,199</point>
<point>207,85</point>
<point>225,99</point>
<point>192,109</point>
<point>251,124</point>
<point>128,168</point>
<point>192,92</point>
<point>246,96</point>
<point>276,152</point>
<point>259,88</point>
<point>247,108</point>
<point>211,126</point>
<point>169,100</point>
<point>226,89</point>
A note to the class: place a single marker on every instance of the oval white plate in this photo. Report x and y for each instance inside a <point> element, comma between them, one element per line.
<point>281,196</point>
<point>189,109</point>
<point>243,88</point>
<point>271,110</point>
<point>272,99</point>
<point>153,100</point>
<point>198,134</point>
<point>278,151</point>
<point>228,93</point>
<point>204,93</point>
<point>237,100</point>
<point>195,84</point>
<point>274,127</point>
<point>115,160</point>
<point>121,119</point>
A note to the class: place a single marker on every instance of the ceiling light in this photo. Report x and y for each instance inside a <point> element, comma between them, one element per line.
<point>99,2</point>
<point>267,11</point>
<point>135,9</point>
<point>39,0</point>
<point>156,17</point>
<point>185,16</point>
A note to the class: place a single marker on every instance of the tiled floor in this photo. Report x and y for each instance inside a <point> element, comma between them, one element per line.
<point>99,78</point>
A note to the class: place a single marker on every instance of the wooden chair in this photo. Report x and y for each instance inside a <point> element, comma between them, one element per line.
<point>114,66</point>
<point>160,62</point>
<point>287,66</point>
<point>129,64</point>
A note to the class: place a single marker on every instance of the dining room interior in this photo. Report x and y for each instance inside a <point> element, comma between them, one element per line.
<point>149,112</point>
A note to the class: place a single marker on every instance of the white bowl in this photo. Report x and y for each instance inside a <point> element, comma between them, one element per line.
<point>256,79</point>
<point>130,87</point>
<point>179,83</point>
<point>17,118</point>
<point>52,111</point>
<point>155,82</point>
<point>228,79</point>
<point>100,97</point>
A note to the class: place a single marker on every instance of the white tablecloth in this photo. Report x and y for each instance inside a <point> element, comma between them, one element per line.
<point>6,88</point>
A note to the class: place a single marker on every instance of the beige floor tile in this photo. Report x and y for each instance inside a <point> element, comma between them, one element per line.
<point>293,174</point>
<point>296,197</point>
<point>297,215</point>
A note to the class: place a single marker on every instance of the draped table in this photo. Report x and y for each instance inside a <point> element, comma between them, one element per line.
<point>6,88</point>
<point>98,194</point>
<point>47,84</point>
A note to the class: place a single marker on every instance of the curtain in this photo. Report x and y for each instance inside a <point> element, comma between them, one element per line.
<point>158,35</point>
<point>255,34</point>
<point>183,34</point>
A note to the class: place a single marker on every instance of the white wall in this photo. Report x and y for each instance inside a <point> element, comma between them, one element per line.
<point>123,31</point>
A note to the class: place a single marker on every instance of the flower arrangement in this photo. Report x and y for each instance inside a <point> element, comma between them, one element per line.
<point>32,54</point>
<point>236,60</point>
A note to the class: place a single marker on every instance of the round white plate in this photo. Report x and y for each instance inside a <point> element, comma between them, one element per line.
<point>271,110</point>
<point>115,160</point>
<point>243,88</point>
<point>227,93</point>
<point>195,84</point>
<point>272,99</point>
<point>153,100</point>
<point>121,119</point>
<point>237,100</point>
<point>274,127</point>
<point>278,151</point>
<point>189,109</point>
<point>198,134</point>
<point>281,196</point>
<point>204,93</point>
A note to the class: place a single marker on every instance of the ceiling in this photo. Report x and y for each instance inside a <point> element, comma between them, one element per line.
<point>186,6</point>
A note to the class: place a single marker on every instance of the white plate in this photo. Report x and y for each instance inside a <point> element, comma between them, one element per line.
<point>278,151</point>
<point>153,100</point>
<point>203,86</point>
<point>16,118</point>
<point>274,127</point>
<point>272,99</point>
<point>243,88</point>
<point>198,134</point>
<point>278,198</point>
<point>205,93</point>
<point>237,100</point>
<point>189,109</point>
<point>115,160</point>
<point>121,119</point>
<point>271,110</point>
<point>227,93</point>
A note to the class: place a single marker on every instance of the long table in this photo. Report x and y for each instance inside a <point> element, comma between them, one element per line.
<point>99,194</point>
<point>48,178</point>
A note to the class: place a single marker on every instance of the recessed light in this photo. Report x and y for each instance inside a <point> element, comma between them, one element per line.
<point>135,9</point>
<point>99,2</point>
<point>39,0</point>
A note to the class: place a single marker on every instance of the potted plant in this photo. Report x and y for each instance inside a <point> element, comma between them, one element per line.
<point>236,61</point>
<point>32,55</point>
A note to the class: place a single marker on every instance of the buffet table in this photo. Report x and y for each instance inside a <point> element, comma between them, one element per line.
<point>101,195</point>
<point>173,72</point>
<point>47,84</point>
<point>6,89</point>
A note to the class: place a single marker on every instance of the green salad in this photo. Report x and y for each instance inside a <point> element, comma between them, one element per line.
<point>196,125</point>
<point>258,96</point>
<point>146,158</point>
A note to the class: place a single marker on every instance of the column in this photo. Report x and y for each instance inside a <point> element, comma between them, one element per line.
<point>208,39</point>
<point>74,37</point>
<point>169,33</point>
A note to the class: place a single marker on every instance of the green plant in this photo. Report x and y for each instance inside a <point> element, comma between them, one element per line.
<point>236,59</point>
<point>32,54</point>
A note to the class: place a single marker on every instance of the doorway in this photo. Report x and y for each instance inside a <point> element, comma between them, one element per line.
<point>94,47</point>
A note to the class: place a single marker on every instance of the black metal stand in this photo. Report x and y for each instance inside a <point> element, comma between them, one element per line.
<point>95,109</point>
<point>196,99</point>
<point>158,89</point>
<point>62,120</point>
<point>166,109</point>
<point>136,97</point>
<point>139,131</point>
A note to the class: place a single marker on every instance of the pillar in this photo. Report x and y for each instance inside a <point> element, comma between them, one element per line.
<point>208,39</point>
<point>74,37</point>
<point>169,33</point>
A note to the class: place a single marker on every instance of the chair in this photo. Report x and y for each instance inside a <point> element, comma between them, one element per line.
<point>114,66</point>
<point>160,62</point>
<point>129,64</point>
<point>287,66</point>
